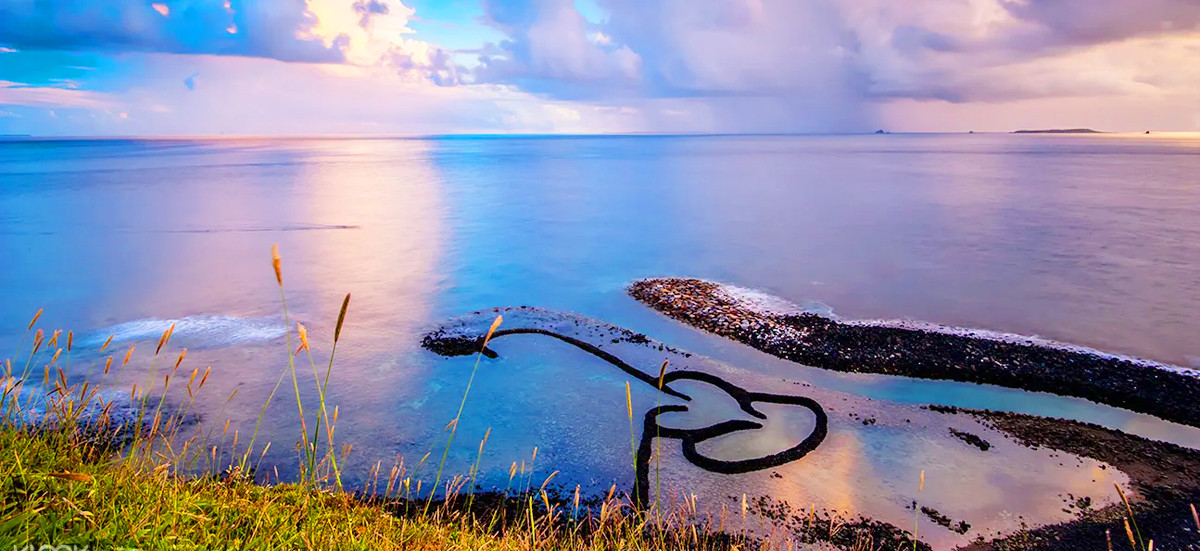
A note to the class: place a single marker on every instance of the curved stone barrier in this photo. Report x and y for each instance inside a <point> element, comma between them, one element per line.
<point>810,339</point>
<point>466,339</point>
<point>690,437</point>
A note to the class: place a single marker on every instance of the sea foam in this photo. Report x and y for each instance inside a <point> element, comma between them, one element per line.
<point>202,330</point>
<point>764,303</point>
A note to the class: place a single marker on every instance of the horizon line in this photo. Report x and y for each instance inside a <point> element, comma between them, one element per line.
<point>469,135</point>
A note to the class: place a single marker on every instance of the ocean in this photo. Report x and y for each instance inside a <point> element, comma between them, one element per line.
<point>1087,240</point>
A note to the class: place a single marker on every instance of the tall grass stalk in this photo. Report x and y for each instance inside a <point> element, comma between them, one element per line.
<point>24,336</point>
<point>324,386</point>
<point>457,417</point>
<point>917,509</point>
<point>261,414</point>
<point>475,468</point>
<point>532,463</point>
<point>309,453</point>
<point>323,412</point>
<point>662,373</point>
<point>1139,544</point>
<point>632,439</point>
<point>70,485</point>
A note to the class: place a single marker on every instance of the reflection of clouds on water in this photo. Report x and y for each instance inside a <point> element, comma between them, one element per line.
<point>349,216</point>
<point>784,426</point>
<point>846,476</point>
<point>393,194</point>
<point>719,406</point>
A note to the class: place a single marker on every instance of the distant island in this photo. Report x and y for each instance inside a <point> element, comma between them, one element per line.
<point>1060,131</point>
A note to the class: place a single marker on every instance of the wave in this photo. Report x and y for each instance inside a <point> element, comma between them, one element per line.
<point>765,303</point>
<point>1014,338</point>
<point>257,229</point>
<point>201,331</point>
<point>247,229</point>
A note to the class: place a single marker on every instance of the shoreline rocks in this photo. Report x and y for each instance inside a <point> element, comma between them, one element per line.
<point>1165,479</point>
<point>1162,477</point>
<point>826,343</point>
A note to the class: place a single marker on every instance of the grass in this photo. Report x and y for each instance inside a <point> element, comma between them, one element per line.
<point>57,492</point>
<point>79,469</point>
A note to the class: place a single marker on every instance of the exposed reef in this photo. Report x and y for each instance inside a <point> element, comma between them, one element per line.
<point>1165,479</point>
<point>461,340</point>
<point>971,439</point>
<point>827,343</point>
<point>444,344</point>
<point>822,526</point>
<point>962,527</point>
<point>1162,478</point>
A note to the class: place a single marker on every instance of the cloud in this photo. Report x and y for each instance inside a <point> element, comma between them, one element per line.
<point>550,50</point>
<point>13,93</point>
<point>434,64</point>
<point>757,65</point>
<point>368,8</point>
<point>1008,50</point>
<point>1058,23</point>
<point>735,47</point>
<point>375,34</point>
<point>821,65</point>
<point>259,96</point>
<point>277,29</point>
<point>628,65</point>
<point>370,33</point>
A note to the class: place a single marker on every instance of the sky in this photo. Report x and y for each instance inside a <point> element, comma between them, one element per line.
<point>410,67</point>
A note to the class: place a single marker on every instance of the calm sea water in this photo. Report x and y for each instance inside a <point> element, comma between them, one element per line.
<point>1092,240</point>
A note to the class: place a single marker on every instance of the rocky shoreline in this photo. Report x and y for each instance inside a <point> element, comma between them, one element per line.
<point>826,343</point>
<point>1164,477</point>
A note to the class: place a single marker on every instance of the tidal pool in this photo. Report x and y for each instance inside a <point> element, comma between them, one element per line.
<point>868,463</point>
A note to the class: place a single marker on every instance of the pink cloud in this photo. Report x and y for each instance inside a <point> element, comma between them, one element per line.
<point>12,93</point>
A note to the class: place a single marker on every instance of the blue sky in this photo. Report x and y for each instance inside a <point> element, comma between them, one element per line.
<point>198,67</point>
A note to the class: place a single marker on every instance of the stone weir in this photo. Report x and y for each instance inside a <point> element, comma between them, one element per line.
<point>793,451</point>
<point>926,352</point>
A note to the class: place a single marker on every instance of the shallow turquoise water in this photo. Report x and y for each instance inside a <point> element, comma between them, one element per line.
<point>1084,239</point>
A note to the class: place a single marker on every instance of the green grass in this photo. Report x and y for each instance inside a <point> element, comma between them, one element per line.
<point>74,470</point>
<point>57,491</point>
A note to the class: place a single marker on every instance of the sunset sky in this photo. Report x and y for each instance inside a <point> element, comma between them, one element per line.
<point>201,67</point>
